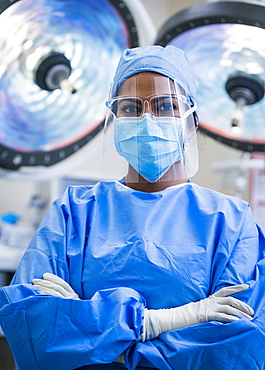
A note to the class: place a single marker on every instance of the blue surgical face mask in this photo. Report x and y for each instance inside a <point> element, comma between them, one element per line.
<point>150,145</point>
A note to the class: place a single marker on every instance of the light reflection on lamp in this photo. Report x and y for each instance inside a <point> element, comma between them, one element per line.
<point>46,117</point>
<point>225,43</point>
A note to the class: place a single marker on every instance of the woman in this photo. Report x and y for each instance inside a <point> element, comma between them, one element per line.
<point>142,272</point>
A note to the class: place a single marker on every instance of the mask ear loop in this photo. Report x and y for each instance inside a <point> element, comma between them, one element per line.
<point>191,110</point>
<point>195,115</point>
<point>190,101</point>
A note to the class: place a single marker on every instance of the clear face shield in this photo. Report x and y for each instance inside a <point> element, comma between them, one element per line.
<point>152,126</point>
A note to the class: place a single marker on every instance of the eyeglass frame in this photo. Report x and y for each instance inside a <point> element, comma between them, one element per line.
<point>148,99</point>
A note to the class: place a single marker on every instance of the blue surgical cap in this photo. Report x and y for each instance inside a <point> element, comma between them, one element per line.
<point>169,61</point>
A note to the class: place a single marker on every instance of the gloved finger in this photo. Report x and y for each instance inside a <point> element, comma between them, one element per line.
<point>36,281</point>
<point>222,317</point>
<point>229,310</point>
<point>49,285</point>
<point>57,280</point>
<point>47,291</point>
<point>54,290</point>
<point>236,303</point>
<point>41,282</point>
<point>233,289</point>
<point>54,286</point>
<point>46,283</point>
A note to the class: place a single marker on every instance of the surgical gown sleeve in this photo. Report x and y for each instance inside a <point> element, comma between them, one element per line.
<point>47,332</point>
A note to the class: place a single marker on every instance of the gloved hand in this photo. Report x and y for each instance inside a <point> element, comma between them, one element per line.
<point>54,285</point>
<point>217,307</point>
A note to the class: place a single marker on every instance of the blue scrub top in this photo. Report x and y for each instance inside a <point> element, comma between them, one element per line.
<point>123,250</point>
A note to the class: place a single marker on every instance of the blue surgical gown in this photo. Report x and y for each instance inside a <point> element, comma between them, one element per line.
<point>123,250</point>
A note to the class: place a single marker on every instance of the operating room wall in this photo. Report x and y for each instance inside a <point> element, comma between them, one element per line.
<point>15,194</point>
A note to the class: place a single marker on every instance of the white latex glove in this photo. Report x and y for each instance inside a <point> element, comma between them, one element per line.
<point>54,285</point>
<point>217,307</point>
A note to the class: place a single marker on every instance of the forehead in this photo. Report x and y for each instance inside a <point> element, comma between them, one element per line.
<point>146,84</point>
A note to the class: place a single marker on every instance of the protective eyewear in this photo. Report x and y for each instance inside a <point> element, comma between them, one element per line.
<point>157,105</point>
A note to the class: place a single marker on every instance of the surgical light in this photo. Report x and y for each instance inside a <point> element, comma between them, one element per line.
<point>225,43</point>
<point>58,58</point>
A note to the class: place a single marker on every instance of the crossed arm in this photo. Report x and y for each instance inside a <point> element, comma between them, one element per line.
<point>219,306</point>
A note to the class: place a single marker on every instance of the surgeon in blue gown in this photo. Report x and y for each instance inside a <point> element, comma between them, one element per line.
<point>151,272</point>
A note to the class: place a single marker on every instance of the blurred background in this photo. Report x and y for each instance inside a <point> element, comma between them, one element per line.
<point>57,62</point>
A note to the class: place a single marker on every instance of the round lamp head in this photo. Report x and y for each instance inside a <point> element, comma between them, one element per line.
<point>58,59</point>
<point>225,43</point>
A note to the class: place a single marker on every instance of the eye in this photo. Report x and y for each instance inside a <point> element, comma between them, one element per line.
<point>129,107</point>
<point>166,106</point>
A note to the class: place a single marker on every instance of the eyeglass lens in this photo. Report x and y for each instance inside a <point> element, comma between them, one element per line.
<point>157,106</point>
